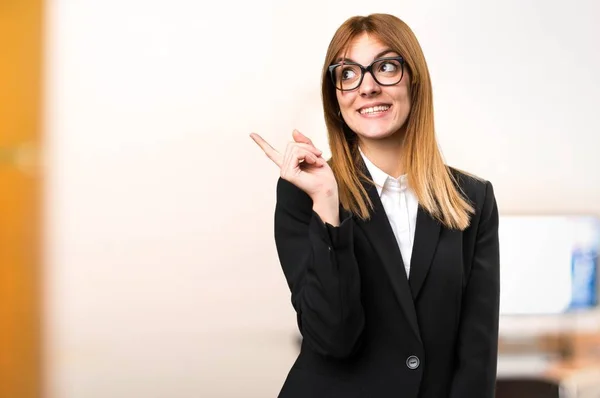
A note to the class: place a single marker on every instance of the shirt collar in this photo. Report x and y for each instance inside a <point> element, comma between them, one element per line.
<point>380,177</point>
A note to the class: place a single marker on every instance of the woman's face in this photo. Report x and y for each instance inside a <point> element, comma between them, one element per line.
<point>373,111</point>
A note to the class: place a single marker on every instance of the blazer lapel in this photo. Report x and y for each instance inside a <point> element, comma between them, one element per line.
<point>427,234</point>
<point>381,236</point>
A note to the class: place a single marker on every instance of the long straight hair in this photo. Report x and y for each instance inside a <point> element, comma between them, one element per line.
<point>432,181</point>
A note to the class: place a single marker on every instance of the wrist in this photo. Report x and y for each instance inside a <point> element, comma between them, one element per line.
<point>328,195</point>
<point>326,205</point>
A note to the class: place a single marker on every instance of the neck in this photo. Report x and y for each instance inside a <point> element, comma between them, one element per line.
<point>386,154</point>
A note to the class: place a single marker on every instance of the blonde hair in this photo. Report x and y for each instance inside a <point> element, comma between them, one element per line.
<point>432,181</point>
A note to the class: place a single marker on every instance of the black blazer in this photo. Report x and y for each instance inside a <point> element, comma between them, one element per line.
<point>368,330</point>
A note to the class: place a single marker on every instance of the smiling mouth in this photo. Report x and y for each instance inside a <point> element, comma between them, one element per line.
<point>374,110</point>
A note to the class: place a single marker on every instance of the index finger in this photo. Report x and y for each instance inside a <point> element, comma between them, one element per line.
<point>271,152</point>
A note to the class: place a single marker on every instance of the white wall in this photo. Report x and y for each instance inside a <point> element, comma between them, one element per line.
<point>162,278</point>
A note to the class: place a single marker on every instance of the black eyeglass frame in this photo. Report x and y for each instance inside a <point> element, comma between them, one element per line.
<point>365,69</point>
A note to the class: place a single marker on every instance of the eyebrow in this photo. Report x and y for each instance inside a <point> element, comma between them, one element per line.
<point>381,54</point>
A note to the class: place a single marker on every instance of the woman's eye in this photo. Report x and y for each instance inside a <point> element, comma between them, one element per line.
<point>388,67</point>
<point>348,74</point>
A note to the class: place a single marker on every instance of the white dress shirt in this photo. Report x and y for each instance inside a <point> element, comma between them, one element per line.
<point>400,204</point>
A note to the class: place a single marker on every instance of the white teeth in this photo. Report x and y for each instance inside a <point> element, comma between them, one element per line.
<point>379,108</point>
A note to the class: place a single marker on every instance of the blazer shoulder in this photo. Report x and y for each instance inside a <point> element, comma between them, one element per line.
<point>290,196</point>
<point>476,189</point>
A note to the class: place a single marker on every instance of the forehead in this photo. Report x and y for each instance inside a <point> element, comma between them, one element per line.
<point>363,48</point>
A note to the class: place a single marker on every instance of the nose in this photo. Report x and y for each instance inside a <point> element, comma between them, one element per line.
<point>369,86</point>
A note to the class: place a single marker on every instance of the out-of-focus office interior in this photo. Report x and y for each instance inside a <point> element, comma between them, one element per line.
<point>136,216</point>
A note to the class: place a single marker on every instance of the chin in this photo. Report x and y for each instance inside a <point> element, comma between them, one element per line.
<point>375,133</point>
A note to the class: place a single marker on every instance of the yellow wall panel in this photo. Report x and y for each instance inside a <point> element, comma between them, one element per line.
<point>20,136</point>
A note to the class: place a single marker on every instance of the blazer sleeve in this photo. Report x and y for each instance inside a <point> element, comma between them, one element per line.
<point>321,271</point>
<point>477,348</point>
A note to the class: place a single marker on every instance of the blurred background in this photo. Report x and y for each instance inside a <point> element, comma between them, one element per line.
<point>136,215</point>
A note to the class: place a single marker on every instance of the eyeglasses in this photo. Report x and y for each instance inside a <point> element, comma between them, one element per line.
<point>347,76</point>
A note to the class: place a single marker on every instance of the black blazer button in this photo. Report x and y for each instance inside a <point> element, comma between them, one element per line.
<point>412,362</point>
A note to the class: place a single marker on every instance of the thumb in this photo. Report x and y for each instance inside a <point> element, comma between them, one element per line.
<point>299,137</point>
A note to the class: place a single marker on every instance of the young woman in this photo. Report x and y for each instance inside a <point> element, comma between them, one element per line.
<point>391,256</point>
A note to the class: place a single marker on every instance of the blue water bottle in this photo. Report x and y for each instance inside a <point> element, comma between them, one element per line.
<point>584,266</point>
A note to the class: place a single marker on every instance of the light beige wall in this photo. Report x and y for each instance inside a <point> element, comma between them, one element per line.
<point>162,277</point>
